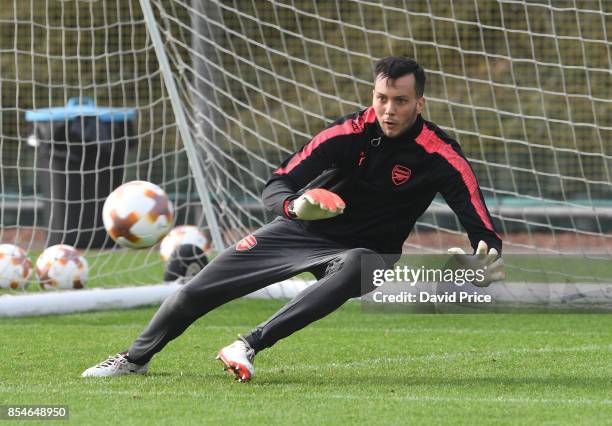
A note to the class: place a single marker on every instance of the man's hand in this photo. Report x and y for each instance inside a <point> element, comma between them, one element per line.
<point>487,260</point>
<point>316,204</point>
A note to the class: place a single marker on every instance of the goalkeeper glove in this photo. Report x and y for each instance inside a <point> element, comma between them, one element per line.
<point>316,204</point>
<point>490,262</point>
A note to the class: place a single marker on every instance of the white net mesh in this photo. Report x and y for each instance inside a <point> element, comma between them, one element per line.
<point>523,86</point>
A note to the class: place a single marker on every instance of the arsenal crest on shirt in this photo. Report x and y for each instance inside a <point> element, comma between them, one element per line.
<point>400,174</point>
<point>247,243</point>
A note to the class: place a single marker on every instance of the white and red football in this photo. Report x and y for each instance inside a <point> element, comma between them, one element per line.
<point>15,267</point>
<point>61,267</point>
<point>186,234</point>
<point>137,214</point>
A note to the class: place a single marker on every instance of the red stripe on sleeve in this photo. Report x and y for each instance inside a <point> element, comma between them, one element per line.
<point>350,126</point>
<point>433,144</point>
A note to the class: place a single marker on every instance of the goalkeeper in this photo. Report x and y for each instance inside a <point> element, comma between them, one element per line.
<point>356,189</point>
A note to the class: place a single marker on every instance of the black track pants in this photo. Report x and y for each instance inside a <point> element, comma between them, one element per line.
<point>282,249</point>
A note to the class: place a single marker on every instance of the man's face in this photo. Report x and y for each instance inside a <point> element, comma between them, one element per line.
<point>396,104</point>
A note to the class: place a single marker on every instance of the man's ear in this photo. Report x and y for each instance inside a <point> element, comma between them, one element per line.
<point>420,104</point>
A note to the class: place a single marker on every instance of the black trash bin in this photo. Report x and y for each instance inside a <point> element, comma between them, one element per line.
<point>80,159</point>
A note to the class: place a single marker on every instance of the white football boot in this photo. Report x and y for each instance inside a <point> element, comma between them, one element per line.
<point>238,360</point>
<point>115,365</point>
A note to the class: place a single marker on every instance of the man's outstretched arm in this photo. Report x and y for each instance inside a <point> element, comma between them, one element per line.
<point>313,204</point>
<point>462,193</point>
<point>324,152</point>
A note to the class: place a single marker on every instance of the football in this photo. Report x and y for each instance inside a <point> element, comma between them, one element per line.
<point>186,261</point>
<point>137,214</point>
<point>15,267</point>
<point>61,267</point>
<point>186,234</point>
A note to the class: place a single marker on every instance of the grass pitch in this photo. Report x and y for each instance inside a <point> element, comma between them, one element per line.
<point>348,368</point>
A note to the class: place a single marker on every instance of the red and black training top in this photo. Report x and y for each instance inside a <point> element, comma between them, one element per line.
<point>387,183</point>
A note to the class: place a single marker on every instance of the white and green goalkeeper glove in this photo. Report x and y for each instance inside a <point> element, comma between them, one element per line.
<point>316,204</point>
<point>487,260</point>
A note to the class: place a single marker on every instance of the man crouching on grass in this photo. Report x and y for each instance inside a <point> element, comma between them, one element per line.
<point>357,188</point>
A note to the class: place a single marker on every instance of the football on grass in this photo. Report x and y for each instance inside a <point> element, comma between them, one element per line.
<point>15,267</point>
<point>137,214</point>
<point>61,267</point>
<point>186,234</point>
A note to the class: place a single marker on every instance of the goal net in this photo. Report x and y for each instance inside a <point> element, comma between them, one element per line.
<point>223,91</point>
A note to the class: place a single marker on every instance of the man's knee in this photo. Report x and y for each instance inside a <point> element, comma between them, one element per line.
<point>356,267</point>
<point>177,301</point>
<point>363,260</point>
<point>361,253</point>
<point>187,301</point>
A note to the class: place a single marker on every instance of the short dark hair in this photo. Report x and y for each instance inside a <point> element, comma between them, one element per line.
<point>394,67</point>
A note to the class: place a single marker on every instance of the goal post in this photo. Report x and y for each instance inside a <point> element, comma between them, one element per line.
<point>183,127</point>
<point>224,91</point>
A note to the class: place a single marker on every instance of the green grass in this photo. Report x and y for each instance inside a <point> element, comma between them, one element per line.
<point>348,368</point>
